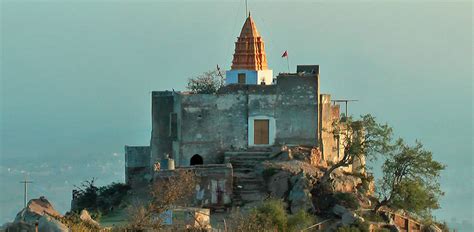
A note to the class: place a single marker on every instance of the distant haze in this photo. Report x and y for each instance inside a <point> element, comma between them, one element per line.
<point>76,78</point>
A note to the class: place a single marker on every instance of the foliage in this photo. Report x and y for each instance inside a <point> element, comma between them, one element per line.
<point>325,201</point>
<point>270,215</point>
<point>373,216</point>
<point>165,193</point>
<point>86,196</point>
<point>207,83</point>
<point>366,181</point>
<point>410,180</point>
<point>361,139</point>
<point>74,223</point>
<point>346,199</point>
<point>300,221</point>
<point>357,226</point>
<point>239,222</point>
<point>99,200</point>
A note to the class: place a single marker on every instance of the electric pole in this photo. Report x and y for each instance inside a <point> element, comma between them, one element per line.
<point>25,193</point>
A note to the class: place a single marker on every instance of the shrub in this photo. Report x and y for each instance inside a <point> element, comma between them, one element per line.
<point>99,200</point>
<point>346,199</point>
<point>300,221</point>
<point>206,83</point>
<point>373,217</point>
<point>272,213</point>
<point>357,226</point>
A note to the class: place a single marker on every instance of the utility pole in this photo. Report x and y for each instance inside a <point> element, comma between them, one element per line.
<point>25,193</point>
<point>346,101</point>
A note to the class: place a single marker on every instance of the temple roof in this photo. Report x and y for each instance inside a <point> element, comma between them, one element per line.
<point>249,29</point>
<point>249,49</point>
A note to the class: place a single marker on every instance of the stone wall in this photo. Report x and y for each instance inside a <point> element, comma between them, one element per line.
<point>210,124</point>
<point>214,187</point>
<point>162,105</point>
<point>330,146</point>
<point>137,168</point>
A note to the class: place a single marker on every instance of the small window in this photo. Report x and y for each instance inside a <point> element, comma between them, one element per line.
<point>242,79</point>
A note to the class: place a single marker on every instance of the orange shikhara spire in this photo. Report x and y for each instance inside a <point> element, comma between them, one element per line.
<point>249,49</point>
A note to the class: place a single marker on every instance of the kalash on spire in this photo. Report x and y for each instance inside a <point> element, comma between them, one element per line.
<point>249,65</point>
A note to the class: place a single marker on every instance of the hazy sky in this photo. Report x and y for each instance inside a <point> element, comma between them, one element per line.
<point>76,78</point>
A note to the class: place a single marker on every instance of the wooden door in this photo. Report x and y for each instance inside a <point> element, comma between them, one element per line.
<point>261,131</point>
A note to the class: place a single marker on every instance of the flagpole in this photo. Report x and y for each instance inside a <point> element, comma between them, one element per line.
<point>288,62</point>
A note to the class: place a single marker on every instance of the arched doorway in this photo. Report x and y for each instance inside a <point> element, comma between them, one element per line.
<point>196,160</point>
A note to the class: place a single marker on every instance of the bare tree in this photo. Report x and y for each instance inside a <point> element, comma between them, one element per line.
<point>206,83</point>
<point>165,193</point>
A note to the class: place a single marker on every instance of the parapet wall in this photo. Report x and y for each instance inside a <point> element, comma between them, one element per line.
<point>213,187</point>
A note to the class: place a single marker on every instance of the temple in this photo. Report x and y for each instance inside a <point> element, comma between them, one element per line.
<point>226,136</point>
<point>249,65</point>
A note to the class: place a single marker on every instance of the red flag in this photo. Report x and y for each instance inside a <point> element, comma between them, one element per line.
<point>285,54</point>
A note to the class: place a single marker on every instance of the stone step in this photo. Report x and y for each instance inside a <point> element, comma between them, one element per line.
<point>256,186</point>
<point>252,196</point>
<point>236,153</point>
<point>244,169</point>
<point>246,162</point>
<point>246,175</point>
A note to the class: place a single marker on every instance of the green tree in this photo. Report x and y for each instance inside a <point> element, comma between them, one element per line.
<point>410,180</point>
<point>361,139</point>
<point>207,83</point>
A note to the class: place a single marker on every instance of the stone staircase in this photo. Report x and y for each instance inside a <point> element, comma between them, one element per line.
<point>248,185</point>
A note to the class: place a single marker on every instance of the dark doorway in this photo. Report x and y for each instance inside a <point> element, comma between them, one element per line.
<point>196,160</point>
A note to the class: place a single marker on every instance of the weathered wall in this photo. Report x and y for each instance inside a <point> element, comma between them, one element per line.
<point>137,168</point>
<point>328,143</point>
<point>161,143</point>
<point>210,124</point>
<point>214,184</point>
<point>297,109</point>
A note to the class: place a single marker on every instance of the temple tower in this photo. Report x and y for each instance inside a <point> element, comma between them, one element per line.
<point>249,65</point>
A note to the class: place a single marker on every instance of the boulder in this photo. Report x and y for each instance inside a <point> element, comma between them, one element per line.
<point>300,196</point>
<point>35,209</point>
<point>347,217</point>
<point>345,183</point>
<point>39,211</point>
<point>18,227</point>
<point>86,217</point>
<point>278,184</point>
<point>47,223</point>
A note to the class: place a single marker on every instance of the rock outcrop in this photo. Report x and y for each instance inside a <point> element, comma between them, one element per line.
<point>38,211</point>
<point>86,217</point>
<point>300,196</point>
<point>347,217</point>
<point>345,183</point>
